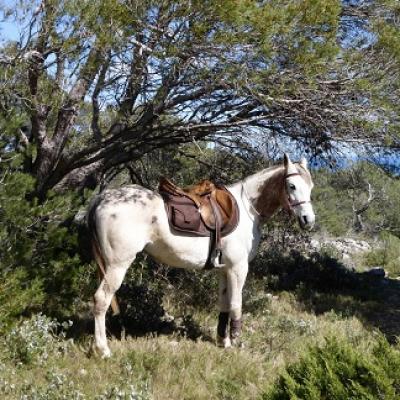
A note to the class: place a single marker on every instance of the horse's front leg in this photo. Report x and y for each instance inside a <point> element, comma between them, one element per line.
<point>230,304</point>
<point>223,339</point>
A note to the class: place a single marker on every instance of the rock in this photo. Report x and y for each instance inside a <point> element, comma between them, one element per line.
<point>346,246</point>
<point>80,217</point>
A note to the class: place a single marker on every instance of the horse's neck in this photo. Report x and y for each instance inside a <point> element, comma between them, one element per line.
<point>263,190</point>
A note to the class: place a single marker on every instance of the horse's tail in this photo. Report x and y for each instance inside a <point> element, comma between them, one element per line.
<point>96,251</point>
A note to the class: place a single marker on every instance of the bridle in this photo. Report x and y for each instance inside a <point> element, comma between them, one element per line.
<point>290,203</point>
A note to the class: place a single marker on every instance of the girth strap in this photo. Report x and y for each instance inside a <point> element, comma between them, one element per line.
<point>215,249</point>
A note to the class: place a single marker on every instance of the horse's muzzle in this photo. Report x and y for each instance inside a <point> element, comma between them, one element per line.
<point>306,221</point>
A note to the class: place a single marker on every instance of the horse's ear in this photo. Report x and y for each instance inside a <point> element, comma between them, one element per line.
<point>286,160</point>
<point>303,162</point>
<point>289,166</point>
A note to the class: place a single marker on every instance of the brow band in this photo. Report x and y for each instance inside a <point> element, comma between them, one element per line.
<point>293,174</point>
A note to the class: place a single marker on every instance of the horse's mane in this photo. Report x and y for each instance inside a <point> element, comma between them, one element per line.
<point>271,188</point>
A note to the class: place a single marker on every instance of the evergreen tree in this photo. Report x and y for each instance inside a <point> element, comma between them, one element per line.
<point>102,83</point>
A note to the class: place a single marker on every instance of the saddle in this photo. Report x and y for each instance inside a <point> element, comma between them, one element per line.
<point>204,209</point>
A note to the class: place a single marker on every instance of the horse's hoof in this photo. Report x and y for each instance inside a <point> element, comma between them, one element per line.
<point>224,342</point>
<point>102,352</point>
<point>106,353</point>
<point>236,342</point>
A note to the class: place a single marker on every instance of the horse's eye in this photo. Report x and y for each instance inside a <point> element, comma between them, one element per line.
<point>292,187</point>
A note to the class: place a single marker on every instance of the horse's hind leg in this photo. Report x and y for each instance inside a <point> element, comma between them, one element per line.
<point>110,283</point>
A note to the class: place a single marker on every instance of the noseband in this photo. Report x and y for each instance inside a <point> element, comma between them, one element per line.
<point>296,203</point>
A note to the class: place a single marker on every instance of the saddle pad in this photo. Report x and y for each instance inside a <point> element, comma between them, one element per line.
<point>184,216</point>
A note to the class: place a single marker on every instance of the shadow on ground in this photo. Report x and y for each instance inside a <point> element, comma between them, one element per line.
<point>322,283</point>
<point>142,313</point>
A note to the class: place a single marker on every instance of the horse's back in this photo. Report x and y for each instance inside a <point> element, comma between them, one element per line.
<point>121,219</point>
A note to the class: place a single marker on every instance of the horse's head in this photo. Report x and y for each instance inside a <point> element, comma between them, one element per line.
<point>297,192</point>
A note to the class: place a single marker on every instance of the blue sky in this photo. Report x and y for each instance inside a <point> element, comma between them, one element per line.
<point>8,30</point>
<point>352,34</point>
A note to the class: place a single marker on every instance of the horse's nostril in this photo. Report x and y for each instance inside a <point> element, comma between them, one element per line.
<point>305,219</point>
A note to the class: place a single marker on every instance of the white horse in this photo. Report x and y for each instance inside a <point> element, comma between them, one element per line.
<point>130,219</point>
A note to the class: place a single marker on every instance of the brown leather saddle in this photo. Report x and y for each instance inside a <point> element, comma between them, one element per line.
<point>204,209</point>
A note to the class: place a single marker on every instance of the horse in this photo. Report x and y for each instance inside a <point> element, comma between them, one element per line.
<point>131,219</point>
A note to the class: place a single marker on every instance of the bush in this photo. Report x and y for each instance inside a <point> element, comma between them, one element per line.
<point>60,386</point>
<point>289,270</point>
<point>387,256</point>
<point>340,370</point>
<point>16,293</point>
<point>34,339</point>
<point>57,387</point>
<point>141,307</point>
<point>40,268</point>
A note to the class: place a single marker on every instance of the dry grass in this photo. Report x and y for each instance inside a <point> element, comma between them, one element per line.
<point>319,301</point>
<point>174,367</point>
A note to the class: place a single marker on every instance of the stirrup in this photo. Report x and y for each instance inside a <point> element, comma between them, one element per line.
<point>218,259</point>
<point>214,262</point>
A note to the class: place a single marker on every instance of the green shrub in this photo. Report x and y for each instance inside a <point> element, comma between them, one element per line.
<point>16,293</point>
<point>341,370</point>
<point>58,386</point>
<point>141,307</point>
<point>387,256</point>
<point>317,271</point>
<point>33,340</point>
<point>40,267</point>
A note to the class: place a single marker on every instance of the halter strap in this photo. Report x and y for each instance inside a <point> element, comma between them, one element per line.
<point>298,203</point>
<point>292,174</point>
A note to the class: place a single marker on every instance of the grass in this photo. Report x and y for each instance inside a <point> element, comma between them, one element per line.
<point>175,367</point>
<point>287,309</point>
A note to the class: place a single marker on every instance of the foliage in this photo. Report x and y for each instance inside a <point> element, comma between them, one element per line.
<point>141,307</point>
<point>16,295</point>
<point>357,199</point>
<point>387,255</point>
<point>106,83</point>
<point>40,266</point>
<point>58,386</point>
<point>340,370</point>
<point>33,340</point>
<point>282,270</point>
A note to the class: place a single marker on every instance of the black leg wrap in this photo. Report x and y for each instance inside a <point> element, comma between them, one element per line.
<point>236,328</point>
<point>222,329</point>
